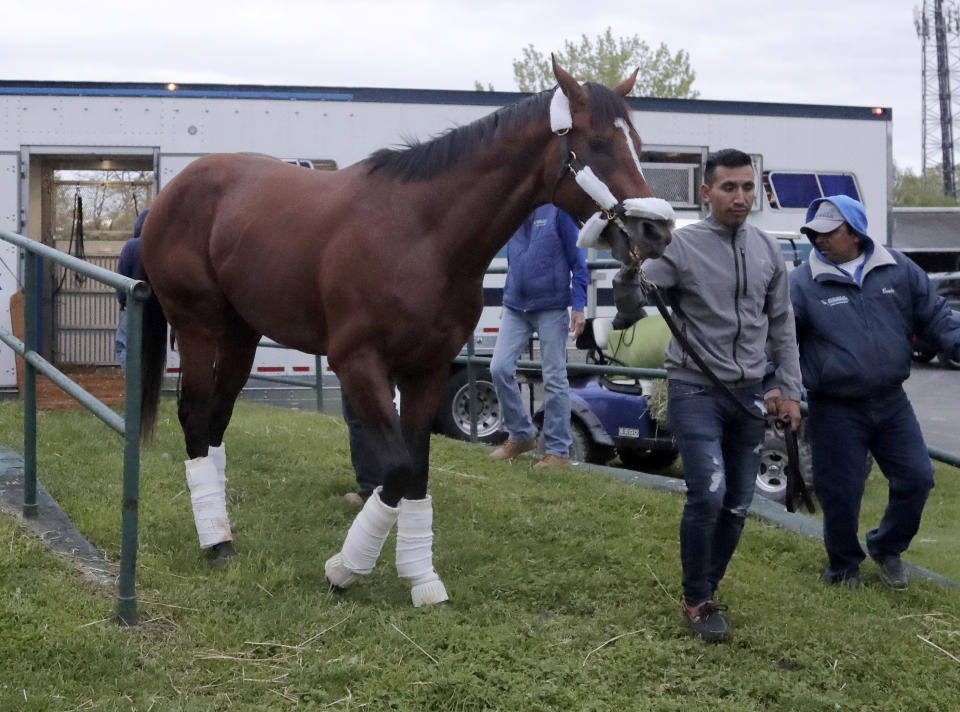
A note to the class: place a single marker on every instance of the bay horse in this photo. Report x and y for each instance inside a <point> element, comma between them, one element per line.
<point>379,266</point>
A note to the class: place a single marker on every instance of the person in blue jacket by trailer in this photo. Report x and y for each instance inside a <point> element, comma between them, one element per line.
<point>542,261</point>
<point>128,266</point>
<point>857,306</point>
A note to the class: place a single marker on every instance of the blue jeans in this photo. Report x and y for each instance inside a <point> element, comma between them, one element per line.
<point>841,433</point>
<point>719,446</point>
<point>516,328</point>
<point>120,340</point>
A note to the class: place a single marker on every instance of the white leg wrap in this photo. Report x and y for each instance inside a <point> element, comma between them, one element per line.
<point>219,457</point>
<point>208,495</point>
<point>363,544</point>
<point>415,551</point>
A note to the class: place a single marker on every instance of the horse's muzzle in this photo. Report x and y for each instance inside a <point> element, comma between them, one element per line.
<point>641,239</point>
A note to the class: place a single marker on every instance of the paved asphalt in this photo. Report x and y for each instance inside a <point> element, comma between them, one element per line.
<point>935,393</point>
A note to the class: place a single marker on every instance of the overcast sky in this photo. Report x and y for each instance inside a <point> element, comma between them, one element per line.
<point>849,52</point>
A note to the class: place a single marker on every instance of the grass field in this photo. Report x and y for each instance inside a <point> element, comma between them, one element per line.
<point>565,591</point>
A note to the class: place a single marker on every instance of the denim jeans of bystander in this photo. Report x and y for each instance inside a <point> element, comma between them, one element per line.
<point>516,328</point>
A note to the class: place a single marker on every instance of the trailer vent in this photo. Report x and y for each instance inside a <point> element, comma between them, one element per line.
<point>674,182</point>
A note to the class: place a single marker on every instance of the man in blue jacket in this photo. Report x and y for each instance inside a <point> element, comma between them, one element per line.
<point>857,306</point>
<point>541,257</point>
<point>128,266</point>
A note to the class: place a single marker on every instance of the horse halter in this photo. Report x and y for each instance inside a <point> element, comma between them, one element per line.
<point>611,209</point>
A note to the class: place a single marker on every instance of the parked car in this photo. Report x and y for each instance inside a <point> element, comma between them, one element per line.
<point>948,287</point>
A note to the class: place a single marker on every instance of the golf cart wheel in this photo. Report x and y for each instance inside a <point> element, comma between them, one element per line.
<point>582,447</point>
<point>652,461</point>
<point>453,416</point>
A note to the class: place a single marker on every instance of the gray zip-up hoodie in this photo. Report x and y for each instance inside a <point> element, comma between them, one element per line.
<point>731,296</point>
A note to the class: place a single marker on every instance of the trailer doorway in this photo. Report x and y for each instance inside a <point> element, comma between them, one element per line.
<point>85,202</point>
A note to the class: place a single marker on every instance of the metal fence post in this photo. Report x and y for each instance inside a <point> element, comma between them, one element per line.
<point>472,389</point>
<point>127,592</point>
<point>32,270</point>
<point>319,371</point>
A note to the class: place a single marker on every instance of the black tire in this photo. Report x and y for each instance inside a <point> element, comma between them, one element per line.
<point>653,461</point>
<point>947,362</point>
<point>453,415</point>
<point>582,448</point>
<point>921,355</point>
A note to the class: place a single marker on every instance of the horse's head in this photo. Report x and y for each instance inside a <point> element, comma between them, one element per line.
<point>601,182</point>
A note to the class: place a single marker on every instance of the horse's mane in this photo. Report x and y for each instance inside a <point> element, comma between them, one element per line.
<point>423,160</point>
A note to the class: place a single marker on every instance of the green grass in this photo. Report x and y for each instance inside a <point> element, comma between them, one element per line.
<point>565,591</point>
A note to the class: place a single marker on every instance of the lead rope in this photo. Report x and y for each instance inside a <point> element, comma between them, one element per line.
<point>796,487</point>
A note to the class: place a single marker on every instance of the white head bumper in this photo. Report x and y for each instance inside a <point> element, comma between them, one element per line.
<point>649,208</point>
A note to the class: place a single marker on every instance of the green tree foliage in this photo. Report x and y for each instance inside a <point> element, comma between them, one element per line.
<point>911,190</point>
<point>608,60</point>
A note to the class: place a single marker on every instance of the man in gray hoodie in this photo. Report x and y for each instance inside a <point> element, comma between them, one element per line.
<point>727,283</point>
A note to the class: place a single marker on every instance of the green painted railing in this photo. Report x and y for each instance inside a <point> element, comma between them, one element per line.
<point>127,426</point>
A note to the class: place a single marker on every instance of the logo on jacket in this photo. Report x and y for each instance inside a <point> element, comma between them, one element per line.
<point>539,222</point>
<point>834,301</point>
<point>889,290</point>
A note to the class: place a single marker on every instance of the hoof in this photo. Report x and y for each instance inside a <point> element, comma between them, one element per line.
<point>339,576</point>
<point>219,555</point>
<point>428,594</point>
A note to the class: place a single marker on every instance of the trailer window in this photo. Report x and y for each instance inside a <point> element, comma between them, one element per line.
<point>797,190</point>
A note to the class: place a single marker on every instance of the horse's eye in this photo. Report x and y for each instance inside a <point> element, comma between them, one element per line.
<point>599,145</point>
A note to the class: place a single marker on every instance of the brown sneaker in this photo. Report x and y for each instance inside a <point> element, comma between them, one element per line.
<point>552,461</point>
<point>510,449</point>
<point>353,498</point>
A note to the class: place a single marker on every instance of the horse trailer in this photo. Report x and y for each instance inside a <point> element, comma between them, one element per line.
<point>800,152</point>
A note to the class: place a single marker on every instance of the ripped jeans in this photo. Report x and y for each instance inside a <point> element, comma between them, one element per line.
<point>720,448</point>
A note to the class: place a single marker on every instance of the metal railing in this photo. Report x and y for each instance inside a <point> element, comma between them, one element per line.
<point>127,426</point>
<point>316,384</point>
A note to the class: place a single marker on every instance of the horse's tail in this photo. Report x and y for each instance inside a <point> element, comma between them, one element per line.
<point>153,363</point>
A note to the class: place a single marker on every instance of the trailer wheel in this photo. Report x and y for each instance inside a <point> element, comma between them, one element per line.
<point>453,415</point>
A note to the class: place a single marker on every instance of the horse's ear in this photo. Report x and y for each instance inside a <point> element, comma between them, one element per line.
<point>626,86</point>
<point>575,93</point>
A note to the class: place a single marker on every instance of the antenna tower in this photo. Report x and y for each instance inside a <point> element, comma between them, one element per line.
<point>938,26</point>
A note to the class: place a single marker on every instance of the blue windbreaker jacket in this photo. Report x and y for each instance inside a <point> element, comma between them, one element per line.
<point>856,340</point>
<point>541,256</point>
<point>129,263</point>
